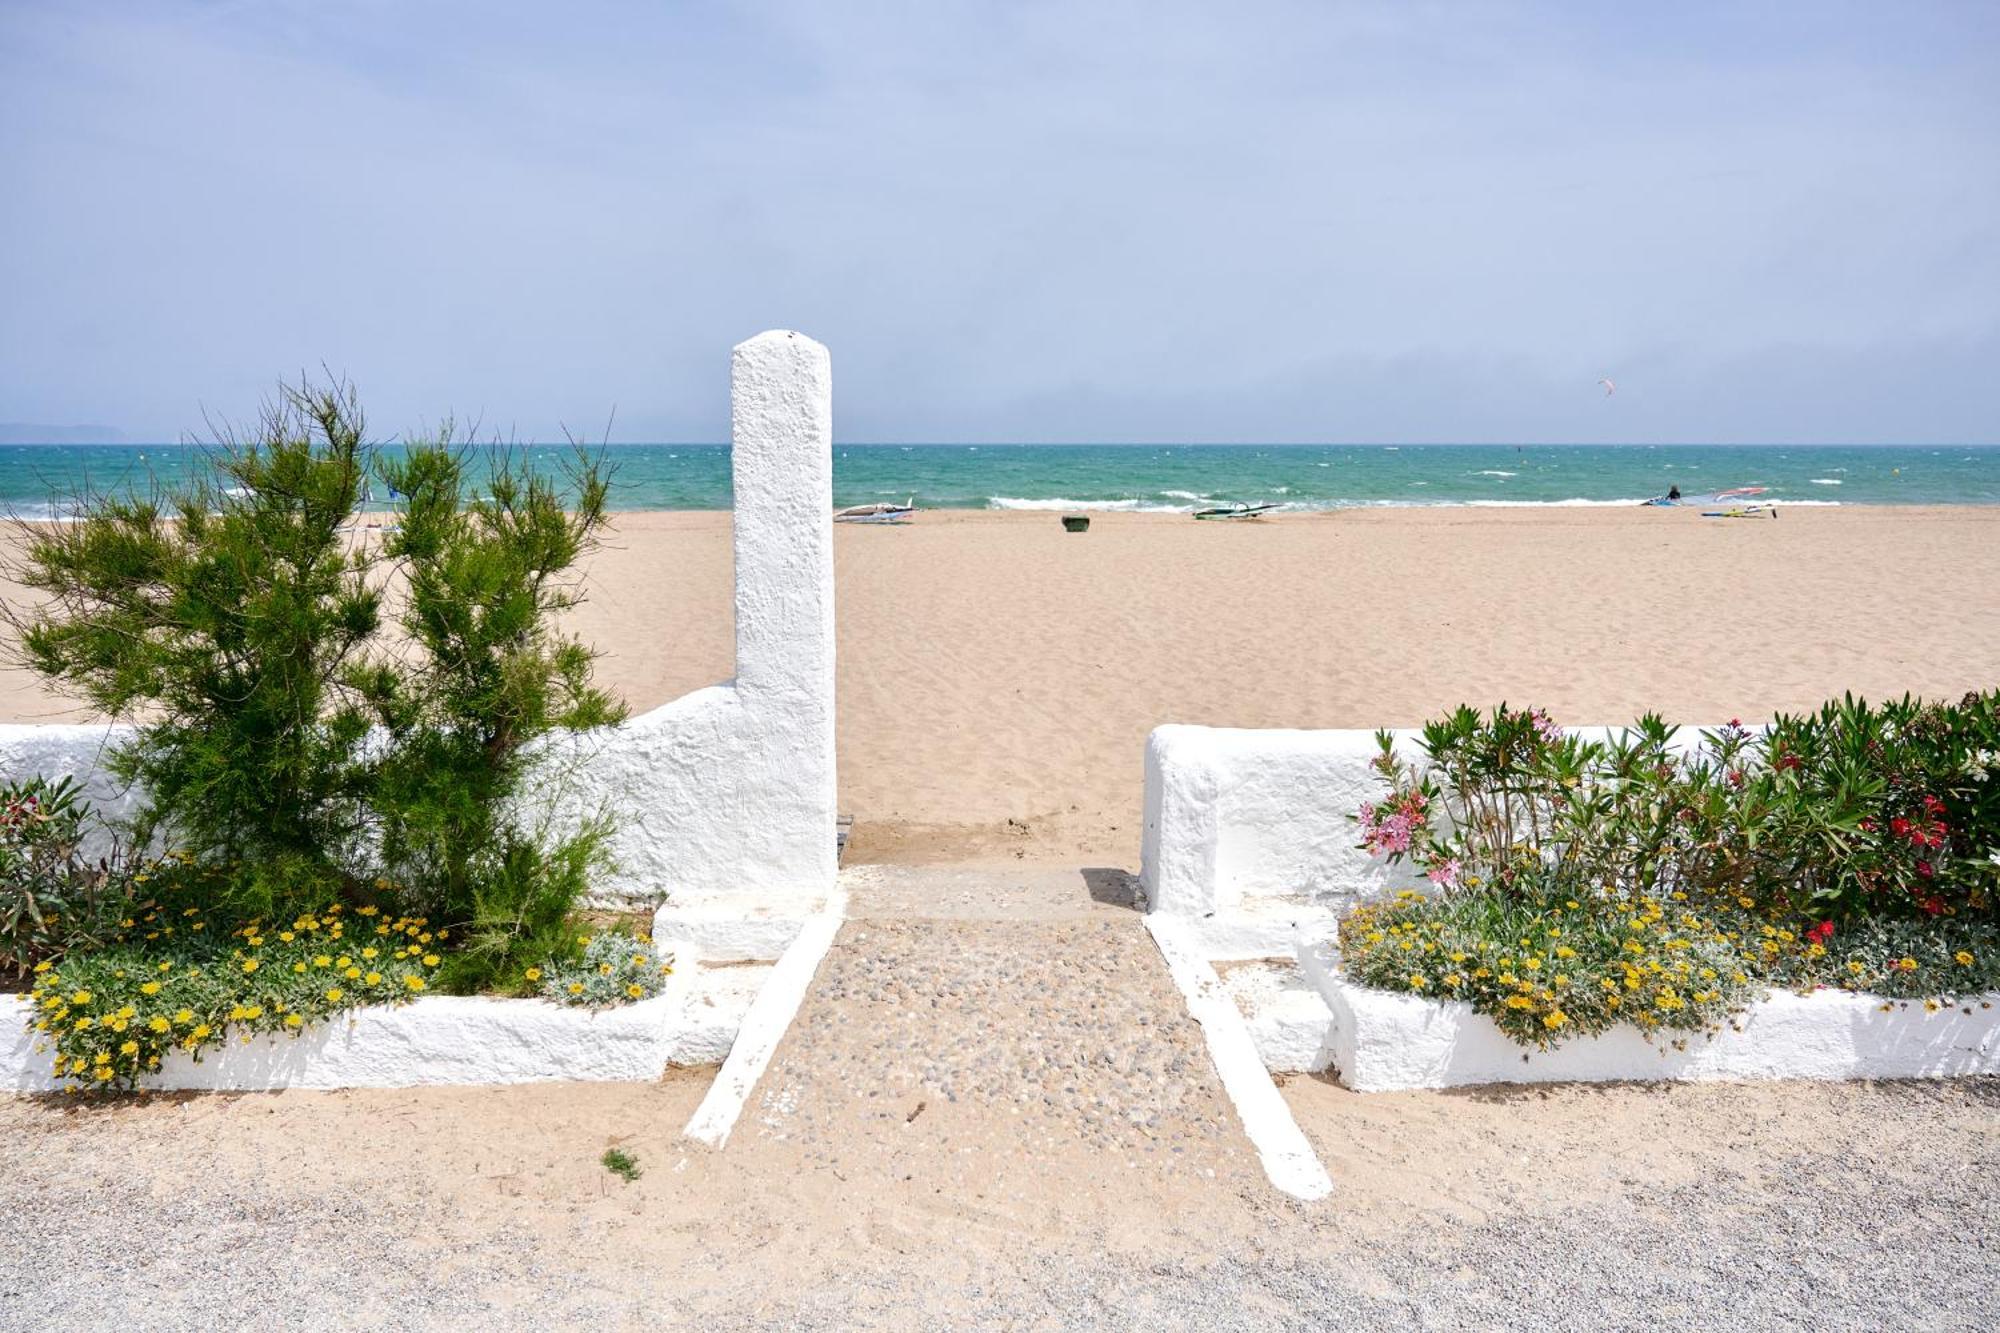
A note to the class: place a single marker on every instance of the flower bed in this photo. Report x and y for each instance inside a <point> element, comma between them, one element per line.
<point>1385,1042</point>
<point>1632,890</point>
<point>444,1039</point>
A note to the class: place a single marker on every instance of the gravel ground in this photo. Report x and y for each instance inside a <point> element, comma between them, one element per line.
<point>1902,1235</point>
<point>1071,1167</point>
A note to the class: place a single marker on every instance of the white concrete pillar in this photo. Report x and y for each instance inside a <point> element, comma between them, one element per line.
<point>781,431</point>
<point>781,425</point>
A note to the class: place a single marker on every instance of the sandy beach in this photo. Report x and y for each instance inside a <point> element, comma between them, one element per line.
<point>998,676</point>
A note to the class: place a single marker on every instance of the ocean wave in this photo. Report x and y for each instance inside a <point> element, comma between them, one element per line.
<point>1573,502</point>
<point>1496,472</point>
<point>1336,504</point>
<point>1183,495</point>
<point>1118,506</point>
<point>1826,481</point>
<point>42,513</point>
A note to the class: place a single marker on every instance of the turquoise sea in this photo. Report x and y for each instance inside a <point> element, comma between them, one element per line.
<point>36,480</point>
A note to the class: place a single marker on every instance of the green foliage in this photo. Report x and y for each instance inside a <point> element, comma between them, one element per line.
<point>52,899</point>
<point>283,734</point>
<point>1854,812</point>
<point>621,1164</point>
<point>1884,811</point>
<point>175,980</point>
<point>613,968</point>
<point>1546,970</point>
<point>1856,847</point>
<point>226,614</point>
<point>1940,960</point>
<point>520,912</point>
<point>486,579</point>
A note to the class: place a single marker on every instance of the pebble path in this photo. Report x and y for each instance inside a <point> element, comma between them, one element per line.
<point>966,1029</point>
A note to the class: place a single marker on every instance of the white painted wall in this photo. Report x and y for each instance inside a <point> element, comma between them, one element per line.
<point>63,750</point>
<point>1234,816</point>
<point>725,798</point>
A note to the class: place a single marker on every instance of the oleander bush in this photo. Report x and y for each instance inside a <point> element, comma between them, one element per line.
<point>332,715</point>
<point>1577,883</point>
<point>52,897</point>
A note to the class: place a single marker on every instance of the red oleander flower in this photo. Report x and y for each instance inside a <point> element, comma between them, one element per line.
<point>1924,869</point>
<point>1787,762</point>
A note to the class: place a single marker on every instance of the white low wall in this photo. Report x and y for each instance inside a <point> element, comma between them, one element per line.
<point>1384,1042</point>
<point>1233,814</point>
<point>435,1040</point>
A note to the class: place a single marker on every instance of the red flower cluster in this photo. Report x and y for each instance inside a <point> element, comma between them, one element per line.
<point>24,811</point>
<point>1820,934</point>
<point>1926,831</point>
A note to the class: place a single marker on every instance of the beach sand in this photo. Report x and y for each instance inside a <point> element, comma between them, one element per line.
<point>998,676</point>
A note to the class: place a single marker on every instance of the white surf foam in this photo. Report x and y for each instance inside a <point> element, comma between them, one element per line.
<point>1574,502</point>
<point>1119,506</point>
<point>1826,481</point>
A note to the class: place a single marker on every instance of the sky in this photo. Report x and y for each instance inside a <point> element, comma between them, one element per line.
<point>1071,221</point>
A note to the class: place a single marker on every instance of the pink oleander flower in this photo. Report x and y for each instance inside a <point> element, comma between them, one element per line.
<point>1545,726</point>
<point>1386,833</point>
<point>1444,874</point>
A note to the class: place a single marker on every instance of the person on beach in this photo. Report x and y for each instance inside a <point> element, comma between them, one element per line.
<point>1673,492</point>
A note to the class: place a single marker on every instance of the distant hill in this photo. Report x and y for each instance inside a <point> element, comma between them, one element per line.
<point>27,432</point>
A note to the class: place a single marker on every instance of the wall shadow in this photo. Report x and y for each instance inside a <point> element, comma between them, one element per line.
<point>1112,887</point>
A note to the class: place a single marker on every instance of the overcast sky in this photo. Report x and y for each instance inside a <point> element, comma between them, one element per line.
<point>1013,221</point>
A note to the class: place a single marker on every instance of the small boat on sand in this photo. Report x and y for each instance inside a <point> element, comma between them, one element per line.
<point>877,513</point>
<point>1734,496</point>
<point>1237,510</point>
